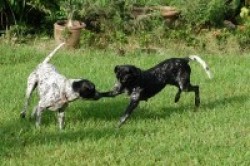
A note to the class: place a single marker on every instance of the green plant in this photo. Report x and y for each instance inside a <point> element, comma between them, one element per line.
<point>68,9</point>
<point>245,14</point>
<point>203,12</point>
<point>243,36</point>
<point>24,14</point>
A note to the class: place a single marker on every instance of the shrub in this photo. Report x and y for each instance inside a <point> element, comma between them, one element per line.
<point>243,36</point>
<point>202,12</point>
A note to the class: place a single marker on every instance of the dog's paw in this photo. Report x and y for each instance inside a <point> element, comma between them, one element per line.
<point>196,109</point>
<point>123,119</point>
<point>197,102</point>
<point>177,97</point>
<point>119,124</point>
<point>176,100</point>
<point>22,114</point>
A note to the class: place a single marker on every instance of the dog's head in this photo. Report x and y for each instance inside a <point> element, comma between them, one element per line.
<point>85,88</point>
<point>127,74</point>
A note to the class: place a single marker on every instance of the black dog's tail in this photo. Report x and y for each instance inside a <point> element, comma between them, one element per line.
<point>47,59</point>
<point>202,63</point>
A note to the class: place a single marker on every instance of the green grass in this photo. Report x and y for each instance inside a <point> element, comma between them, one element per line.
<point>159,132</point>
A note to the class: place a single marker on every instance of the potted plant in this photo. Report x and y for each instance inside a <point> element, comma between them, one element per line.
<point>69,30</point>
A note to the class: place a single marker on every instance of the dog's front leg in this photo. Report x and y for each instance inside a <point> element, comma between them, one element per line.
<point>31,85</point>
<point>132,105</point>
<point>38,116</point>
<point>134,102</point>
<point>61,119</point>
<point>33,114</point>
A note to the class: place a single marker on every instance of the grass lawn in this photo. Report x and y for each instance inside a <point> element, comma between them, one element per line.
<point>159,132</point>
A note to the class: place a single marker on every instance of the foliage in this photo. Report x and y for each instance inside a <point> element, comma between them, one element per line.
<point>20,16</point>
<point>203,12</point>
<point>112,22</point>
<point>243,32</point>
<point>243,35</point>
<point>18,11</point>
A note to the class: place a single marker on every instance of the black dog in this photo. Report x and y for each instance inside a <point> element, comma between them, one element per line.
<point>141,85</point>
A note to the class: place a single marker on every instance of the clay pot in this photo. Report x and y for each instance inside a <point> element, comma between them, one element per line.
<point>169,13</point>
<point>70,35</point>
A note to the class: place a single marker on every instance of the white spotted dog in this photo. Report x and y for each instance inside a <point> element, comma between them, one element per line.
<point>55,90</point>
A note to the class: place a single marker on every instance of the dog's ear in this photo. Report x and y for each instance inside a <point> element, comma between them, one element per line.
<point>77,86</point>
<point>117,67</point>
<point>136,71</point>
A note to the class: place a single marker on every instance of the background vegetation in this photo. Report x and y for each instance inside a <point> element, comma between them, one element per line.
<point>112,22</point>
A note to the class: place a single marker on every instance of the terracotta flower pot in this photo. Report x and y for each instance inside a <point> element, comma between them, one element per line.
<point>70,35</point>
<point>169,13</point>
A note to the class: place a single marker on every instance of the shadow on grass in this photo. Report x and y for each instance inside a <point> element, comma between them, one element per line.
<point>113,108</point>
<point>15,139</point>
<point>225,101</point>
<point>16,136</point>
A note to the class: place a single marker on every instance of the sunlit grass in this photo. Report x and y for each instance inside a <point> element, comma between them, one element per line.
<point>159,132</point>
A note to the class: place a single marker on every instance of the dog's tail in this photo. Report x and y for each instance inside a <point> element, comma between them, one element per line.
<point>47,59</point>
<point>202,63</point>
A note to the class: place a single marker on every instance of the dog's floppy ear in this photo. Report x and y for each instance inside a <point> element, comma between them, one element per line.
<point>117,67</point>
<point>77,85</point>
<point>134,71</point>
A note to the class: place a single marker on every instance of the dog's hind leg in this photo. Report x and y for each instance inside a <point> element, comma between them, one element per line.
<point>195,89</point>
<point>185,85</point>
<point>31,85</point>
<point>178,95</point>
<point>183,81</point>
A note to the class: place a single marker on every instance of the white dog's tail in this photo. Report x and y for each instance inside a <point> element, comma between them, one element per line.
<point>47,59</point>
<point>202,63</point>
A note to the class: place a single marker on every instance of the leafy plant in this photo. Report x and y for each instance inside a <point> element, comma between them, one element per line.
<point>68,9</point>
<point>24,13</point>
<point>204,12</point>
<point>243,36</point>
